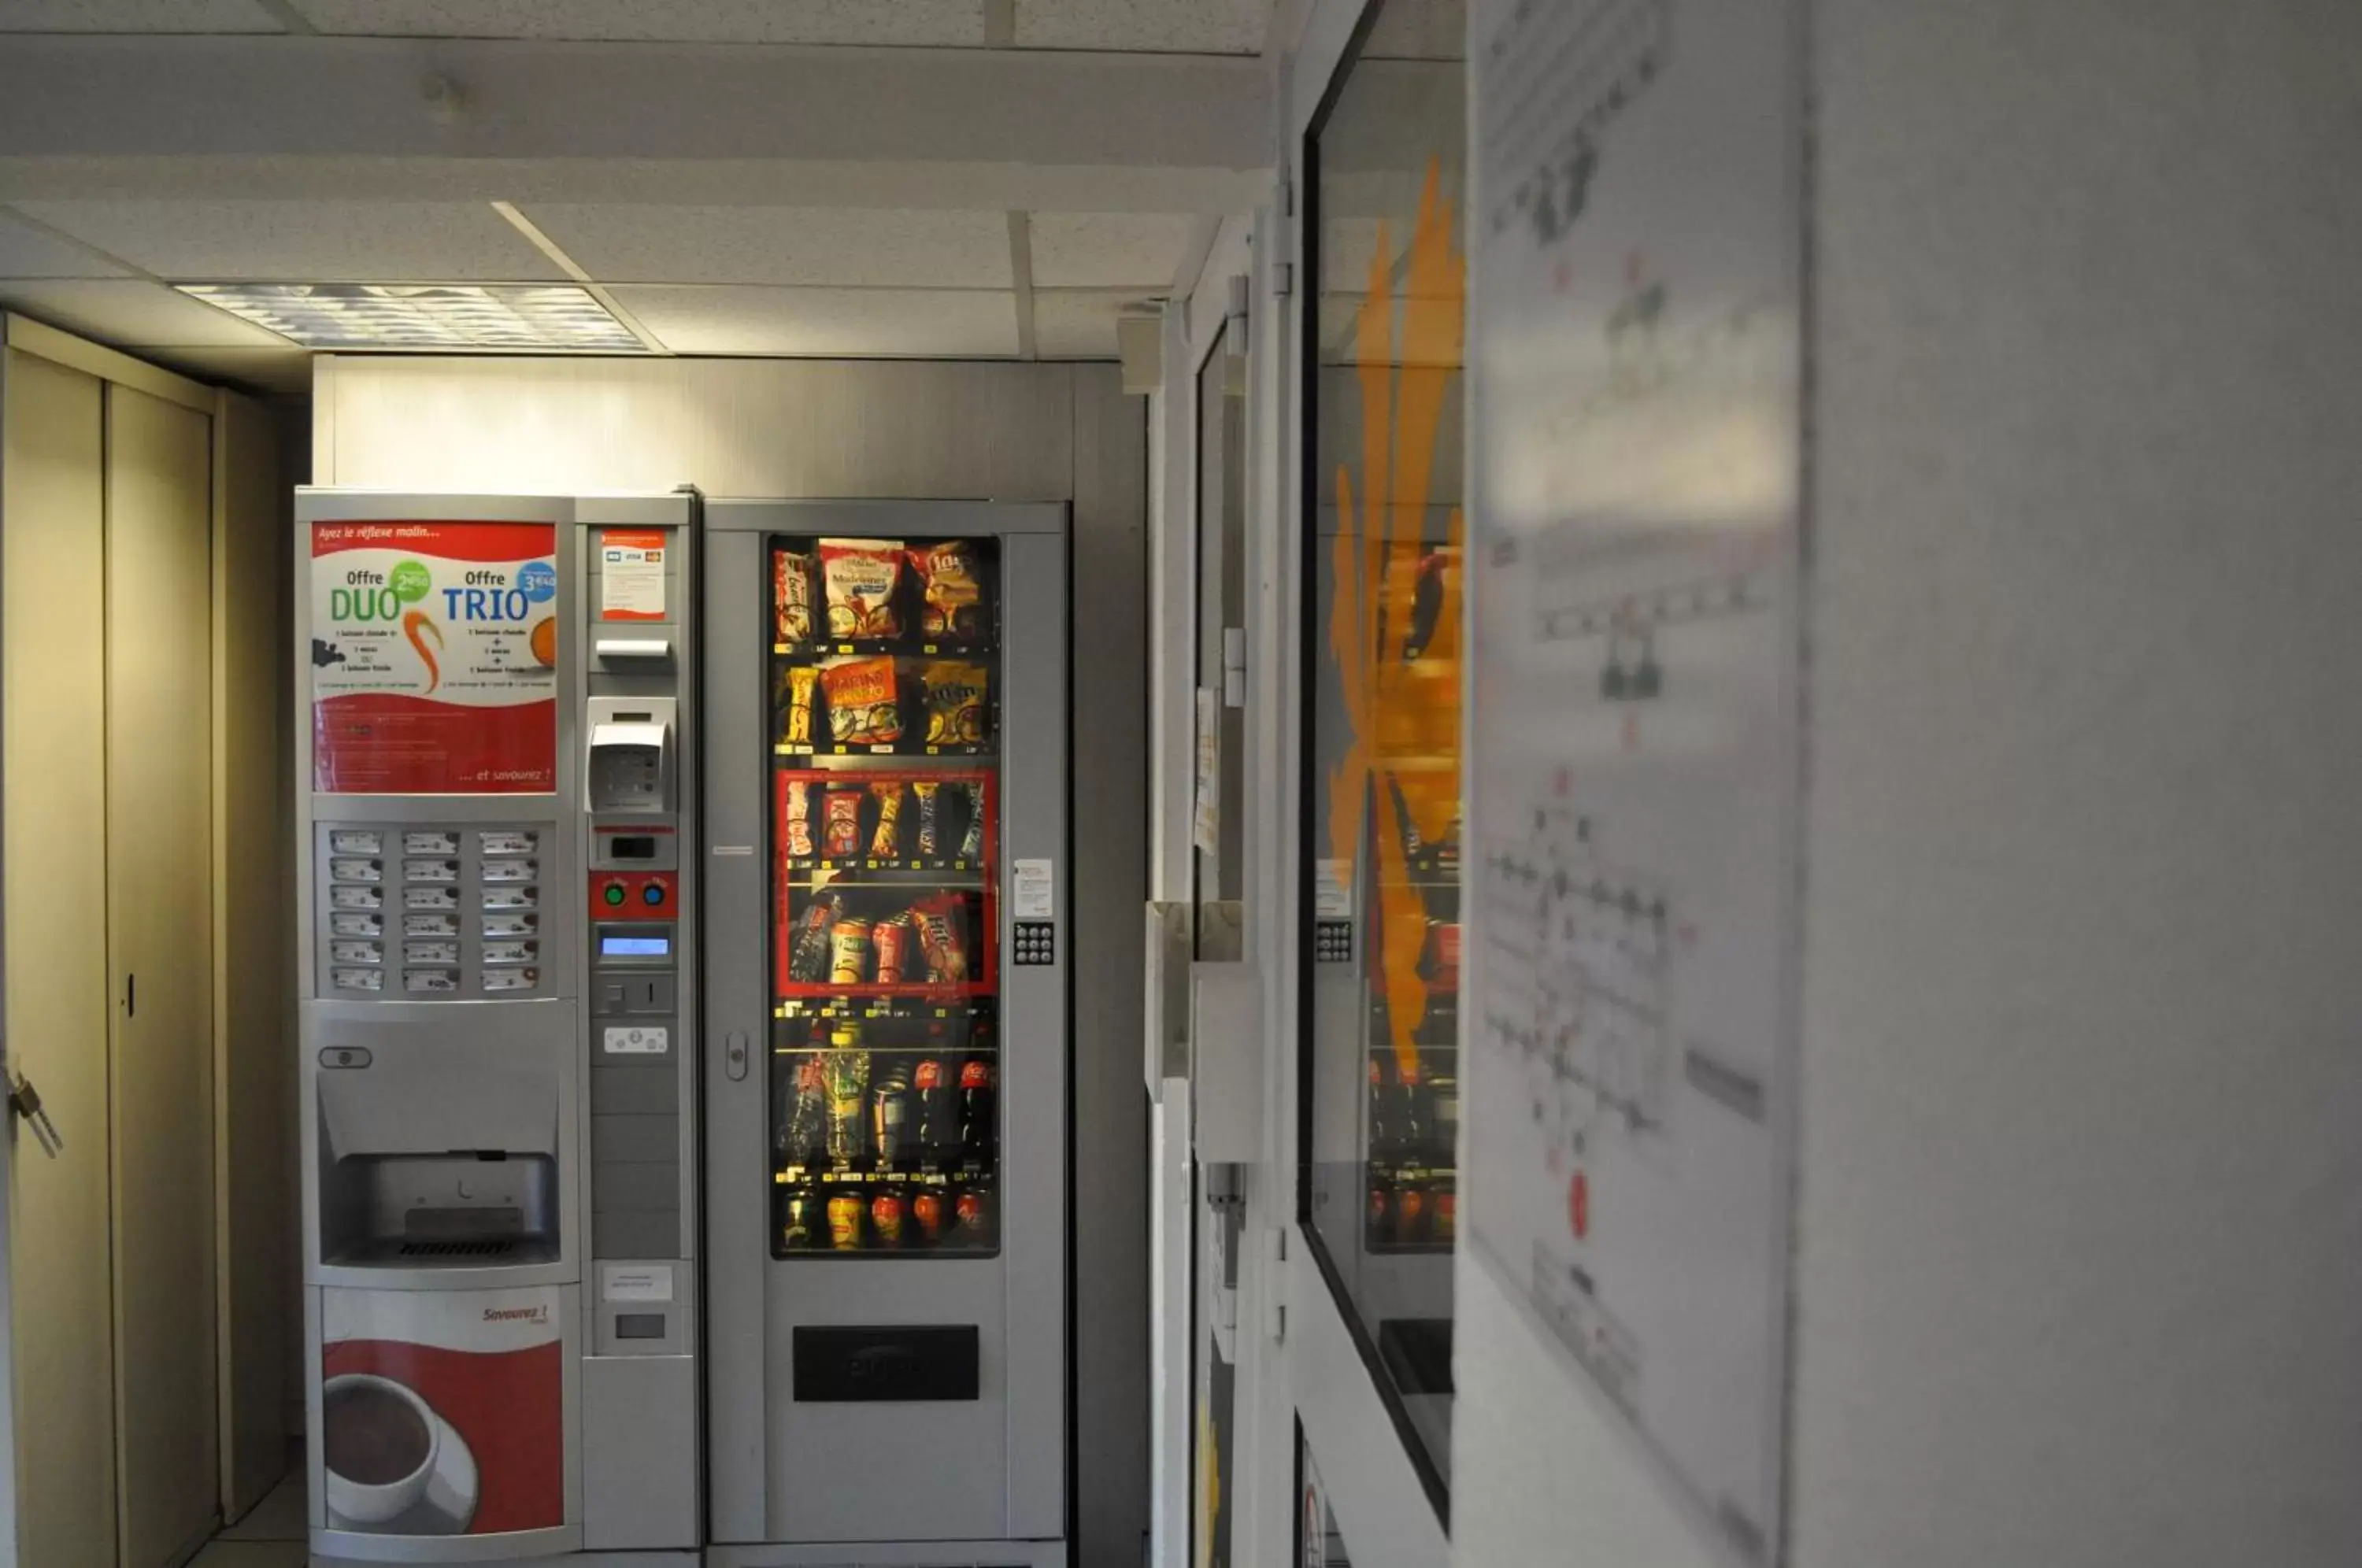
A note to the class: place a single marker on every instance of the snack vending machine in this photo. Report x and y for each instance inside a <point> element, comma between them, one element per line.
<point>886,1178</point>
<point>497,739</point>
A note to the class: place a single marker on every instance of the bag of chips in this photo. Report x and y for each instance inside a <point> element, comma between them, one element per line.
<point>842,836</point>
<point>941,920</point>
<point>791,597</point>
<point>887,842</point>
<point>802,680</point>
<point>863,575</point>
<point>951,588</point>
<point>861,710</point>
<point>954,703</point>
<point>799,833</point>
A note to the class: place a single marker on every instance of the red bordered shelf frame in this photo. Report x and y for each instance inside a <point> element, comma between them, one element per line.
<point>785,867</point>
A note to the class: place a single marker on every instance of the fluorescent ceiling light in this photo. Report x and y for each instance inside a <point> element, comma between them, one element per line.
<point>535,316</point>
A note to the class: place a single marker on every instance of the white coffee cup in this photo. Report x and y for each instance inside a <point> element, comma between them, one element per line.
<point>379,1496</point>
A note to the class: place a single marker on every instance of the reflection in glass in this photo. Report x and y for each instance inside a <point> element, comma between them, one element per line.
<point>1382,899</point>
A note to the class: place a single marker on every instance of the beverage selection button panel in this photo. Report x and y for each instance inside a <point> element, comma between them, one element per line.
<point>405,913</point>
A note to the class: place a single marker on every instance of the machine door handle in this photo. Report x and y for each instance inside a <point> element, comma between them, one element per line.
<point>25,1101</point>
<point>734,1055</point>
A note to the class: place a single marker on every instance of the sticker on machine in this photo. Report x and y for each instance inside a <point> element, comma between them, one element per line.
<point>434,658</point>
<point>631,574</point>
<point>1034,889</point>
<point>443,1412</point>
<point>635,1281</point>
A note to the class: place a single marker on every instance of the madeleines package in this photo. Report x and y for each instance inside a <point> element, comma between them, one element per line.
<point>864,578</point>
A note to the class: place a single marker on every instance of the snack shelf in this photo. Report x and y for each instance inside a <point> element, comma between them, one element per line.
<point>966,1171</point>
<point>870,1005</point>
<point>955,865</point>
<point>920,990</point>
<point>901,648</point>
<point>885,748</point>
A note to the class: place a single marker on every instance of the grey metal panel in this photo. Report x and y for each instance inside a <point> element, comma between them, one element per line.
<point>639,1450</point>
<point>636,1188</point>
<point>907,519</point>
<point>650,1090</point>
<point>1111,885</point>
<point>896,1554</point>
<point>780,1471</point>
<point>736,1144</point>
<point>1035,1032</point>
<point>623,1233</point>
<point>634,1137</point>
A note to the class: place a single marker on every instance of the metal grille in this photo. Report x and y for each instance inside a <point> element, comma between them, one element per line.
<point>487,1249</point>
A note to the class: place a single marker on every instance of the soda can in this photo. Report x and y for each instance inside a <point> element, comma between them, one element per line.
<point>845,1221</point>
<point>798,1217</point>
<point>886,1217</point>
<point>1410,1211</point>
<point>849,953</point>
<point>972,1217</point>
<point>889,1122</point>
<point>927,1213</point>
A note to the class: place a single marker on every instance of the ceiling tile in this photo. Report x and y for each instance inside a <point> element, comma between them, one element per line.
<point>680,21</point>
<point>851,323</point>
<point>28,252</point>
<point>1185,27</point>
<point>136,16</point>
<point>135,315</point>
<point>824,246</point>
<point>315,242</point>
<point>1079,324</point>
<point>1110,250</point>
<point>1420,29</point>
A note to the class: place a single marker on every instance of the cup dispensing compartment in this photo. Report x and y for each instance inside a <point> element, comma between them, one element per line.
<point>441,1149</point>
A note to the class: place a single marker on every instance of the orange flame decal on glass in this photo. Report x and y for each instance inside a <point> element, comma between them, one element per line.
<point>1402,709</point>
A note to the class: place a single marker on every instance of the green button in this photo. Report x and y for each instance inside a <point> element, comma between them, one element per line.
<point>614,892</point>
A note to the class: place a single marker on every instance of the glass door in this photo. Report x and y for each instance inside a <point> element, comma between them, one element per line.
<point>884,856</point>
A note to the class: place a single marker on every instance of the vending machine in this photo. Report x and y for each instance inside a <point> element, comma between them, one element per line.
<point>886,1140</point>
<point>497,819</point>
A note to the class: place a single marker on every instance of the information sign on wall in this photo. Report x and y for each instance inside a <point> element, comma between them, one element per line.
<point>1634,734</point>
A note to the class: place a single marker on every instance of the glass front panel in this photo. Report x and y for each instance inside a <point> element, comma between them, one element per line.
<point>1382,899</point>
<point>883,1064</point>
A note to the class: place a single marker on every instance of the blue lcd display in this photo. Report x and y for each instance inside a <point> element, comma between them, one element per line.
<point>634,947</point>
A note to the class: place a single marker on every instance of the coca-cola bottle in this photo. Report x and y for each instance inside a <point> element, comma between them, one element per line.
<point>978,1130</point>
<point>936,1133</point>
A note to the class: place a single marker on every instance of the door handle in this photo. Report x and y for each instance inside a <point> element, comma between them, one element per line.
<point>25,1101</point>
<point>735,1054</point>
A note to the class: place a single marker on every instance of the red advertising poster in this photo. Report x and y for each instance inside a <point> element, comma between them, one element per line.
<point>434,658</point>
<point>443,1412</point>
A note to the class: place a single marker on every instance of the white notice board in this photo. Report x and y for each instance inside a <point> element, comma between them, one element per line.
<point>1633,742</point>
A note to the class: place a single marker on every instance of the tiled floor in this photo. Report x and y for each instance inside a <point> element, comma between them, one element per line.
<point>270,1536</point>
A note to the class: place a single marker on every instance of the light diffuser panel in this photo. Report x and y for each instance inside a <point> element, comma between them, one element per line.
<point>536,317</point>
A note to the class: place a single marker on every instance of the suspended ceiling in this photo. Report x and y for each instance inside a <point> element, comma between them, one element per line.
<point>933,178</point>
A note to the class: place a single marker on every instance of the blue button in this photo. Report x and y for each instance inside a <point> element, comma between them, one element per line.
<point>653,892</point>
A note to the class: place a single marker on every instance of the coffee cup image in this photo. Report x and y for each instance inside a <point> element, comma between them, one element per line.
<point>380,1442</point>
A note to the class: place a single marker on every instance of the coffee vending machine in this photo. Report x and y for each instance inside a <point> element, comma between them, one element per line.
<point>497,794</point>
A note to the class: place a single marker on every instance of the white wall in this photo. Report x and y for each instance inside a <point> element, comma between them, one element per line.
<point>2080,1269</point>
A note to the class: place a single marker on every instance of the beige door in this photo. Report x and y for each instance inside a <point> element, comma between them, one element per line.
<point>53,554</point>
<point>160,822</point>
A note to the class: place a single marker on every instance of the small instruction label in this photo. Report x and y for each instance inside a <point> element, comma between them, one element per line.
<point>635,1281</point>
<point>638,1040</point>
<point>631,574</point>
<point>1034,889</point>
<point>1332,892</point>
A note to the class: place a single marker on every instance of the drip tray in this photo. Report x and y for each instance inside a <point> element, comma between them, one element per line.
<point>456,1252</point>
